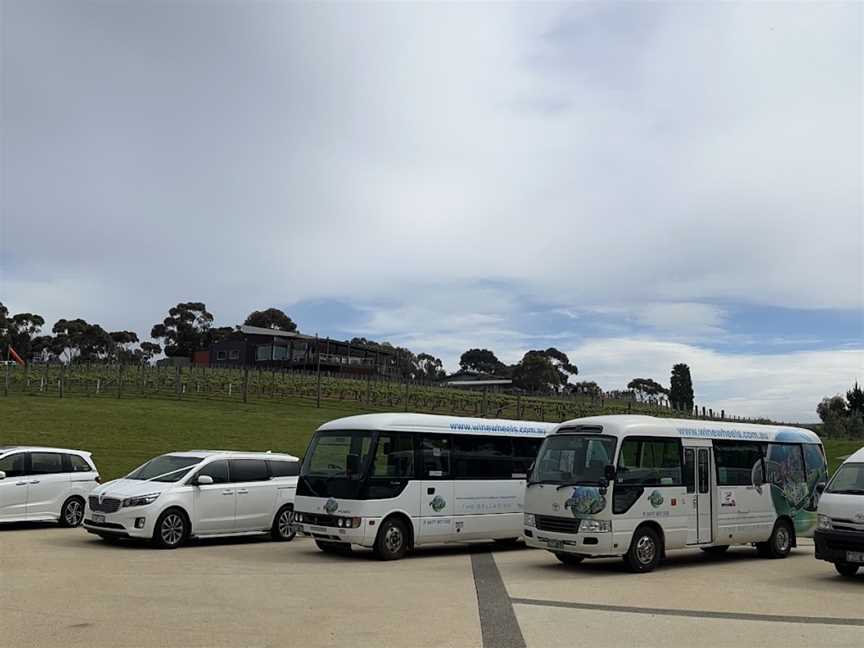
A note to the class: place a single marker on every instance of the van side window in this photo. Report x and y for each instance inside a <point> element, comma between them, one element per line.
<point>284,468</point>
<point>246,470</point>
<point>14,465</point>
<point>738,463</point>
<point>650,462</point>
<point>78,464</point>
<point>46,463</point>
<point>218,470</point>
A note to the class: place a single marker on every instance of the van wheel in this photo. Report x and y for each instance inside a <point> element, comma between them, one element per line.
<point>779,544</point>
<point>846,569</point>
<point>392,540</point>
<point>645,551</point>
<point>569,559</point>
<point>283,525</point>
<point>719,550</point>
<point>72,512</point>
<point>333,547</point>
<point>171,529</point>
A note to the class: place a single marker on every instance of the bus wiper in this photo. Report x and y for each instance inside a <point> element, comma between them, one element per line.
<point>541,481</point>
<point>577,483</point>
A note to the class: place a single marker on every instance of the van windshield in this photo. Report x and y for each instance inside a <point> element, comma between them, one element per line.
<point>167,468</point>
<point>849,480</point>
<point>573,459</point>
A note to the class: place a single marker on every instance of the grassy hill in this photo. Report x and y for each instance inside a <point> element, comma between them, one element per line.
<point>124,432</point>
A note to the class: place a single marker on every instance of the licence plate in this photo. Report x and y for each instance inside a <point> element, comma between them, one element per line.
<point>855,556</point>
<point>555,544</point>
<point>318,529</point>
<point>98,519</point>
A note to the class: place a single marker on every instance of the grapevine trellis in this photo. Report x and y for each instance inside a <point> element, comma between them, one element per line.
<point>374,393</point>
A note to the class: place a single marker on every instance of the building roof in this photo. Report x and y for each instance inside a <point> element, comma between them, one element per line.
<point>622,424</point>
<point>260,330</point>
<point>466,378</point>
<point>439,424</point>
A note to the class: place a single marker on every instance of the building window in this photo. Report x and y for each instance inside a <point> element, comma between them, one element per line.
<point>234,354</point>
<point>280,352</point>
<point>220,355</point>
<point>263,352</point>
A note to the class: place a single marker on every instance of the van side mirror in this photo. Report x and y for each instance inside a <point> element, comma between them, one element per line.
<point>2,475</point>
<point>352,463</point>
<point>820,488</point>
<point>610,473</point>
<point>203,480</point>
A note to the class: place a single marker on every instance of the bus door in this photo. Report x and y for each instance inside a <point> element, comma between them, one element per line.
<point>697,478</point>
<point>436,489</point>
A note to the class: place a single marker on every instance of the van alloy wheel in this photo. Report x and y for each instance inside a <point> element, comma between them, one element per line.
<point>73,513</point>
<point>283,525</point>
<point>172,529</point>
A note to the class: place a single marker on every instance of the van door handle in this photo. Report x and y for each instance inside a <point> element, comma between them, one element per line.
<point>430,491</point>
<point>228,492</point>
<point>35,481</point>
<point>242,491</point>
<point>20,483</point>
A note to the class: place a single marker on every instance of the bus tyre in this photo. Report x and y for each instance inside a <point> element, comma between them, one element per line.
<point>171,529</point>
<point>645,551</point>
<point>569,559</point>
<point>333,547</point>
<point>392,540</point>
<point>719,550</point>
<point>283,525</point>
<point>846,569</point>
<point>779,544</point>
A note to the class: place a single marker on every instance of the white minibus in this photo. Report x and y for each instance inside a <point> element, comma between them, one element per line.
<point>638,486</point>
<point>840,536</point>
<point>395,481</point>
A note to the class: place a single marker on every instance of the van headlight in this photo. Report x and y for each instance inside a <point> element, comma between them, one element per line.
<point>141,500</point>
<point>529,520</point>
<point>595,526</point>
<point>823,521</point>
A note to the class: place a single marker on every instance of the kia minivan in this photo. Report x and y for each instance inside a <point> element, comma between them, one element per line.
<point>45,484</point>
<point>198,493</point>
<point>840,533</point>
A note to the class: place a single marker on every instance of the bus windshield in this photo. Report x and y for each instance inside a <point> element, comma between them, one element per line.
<point>573,459</point>
<point>849,480</point>
<point>329,451</point>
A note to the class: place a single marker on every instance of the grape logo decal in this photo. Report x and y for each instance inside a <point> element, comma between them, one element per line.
<point>656,499</point>
<point>438,503</point>
<point>585,499</point>
<point>331,506</point>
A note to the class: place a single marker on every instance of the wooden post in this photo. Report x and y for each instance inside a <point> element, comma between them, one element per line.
<point>6,382</point>
<point>245,383</point>
<point>368,388</point>
<point>485,403</point>
<point>61,381</point>
<point>406,393</point>
<point>318,371</point>
<point>177,381</point>
<point>119,379</point>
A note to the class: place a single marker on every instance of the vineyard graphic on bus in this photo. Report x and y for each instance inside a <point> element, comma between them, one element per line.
<point>438,503</point>
<point>585,500</point>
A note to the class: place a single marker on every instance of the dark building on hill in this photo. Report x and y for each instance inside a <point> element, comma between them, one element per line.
<point>477,381</point>
<point>263,348</point>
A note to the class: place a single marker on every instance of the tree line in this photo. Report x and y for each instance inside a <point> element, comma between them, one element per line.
<point>843,416</point>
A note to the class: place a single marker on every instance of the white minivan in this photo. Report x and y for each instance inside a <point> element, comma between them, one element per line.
<point>45,484</point>
<point>840,533</point>
<point>198,493</point>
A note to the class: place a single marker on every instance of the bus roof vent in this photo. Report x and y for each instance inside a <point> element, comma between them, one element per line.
<point>594,429</point>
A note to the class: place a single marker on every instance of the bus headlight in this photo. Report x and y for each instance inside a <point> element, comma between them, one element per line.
<point>529,520</point>
<point>823,521</point>
<point>595,526</point>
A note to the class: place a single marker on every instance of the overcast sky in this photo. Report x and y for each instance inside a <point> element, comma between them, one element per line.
<point>634,184</point>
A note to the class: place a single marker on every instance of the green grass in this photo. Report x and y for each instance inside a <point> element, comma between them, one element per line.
<point>123,433</point>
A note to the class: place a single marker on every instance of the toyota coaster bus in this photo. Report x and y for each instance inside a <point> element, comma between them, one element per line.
<point>638,486</point>
<point>395,481</point>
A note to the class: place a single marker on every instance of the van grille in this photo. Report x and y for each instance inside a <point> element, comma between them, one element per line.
<point>108,505</point>
<point>556,524</point>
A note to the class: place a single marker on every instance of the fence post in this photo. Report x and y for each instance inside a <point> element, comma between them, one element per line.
<point>406,393</point>
<point>119,380</point>
<point>61,381</point>
<point>6,382</point>
<point>177,381</point>
<point>485,404</point>
<point>318,372</point>
<point>245,383</point>
<point>368,388</point>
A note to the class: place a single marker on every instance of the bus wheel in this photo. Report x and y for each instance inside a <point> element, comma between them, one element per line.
<point>645,551</point>
<point>392,540</point>
<point>719,550</point>
<point>333,547</point>
<point>569,559</point>
<point>846,569</point>
<point>779,544</point>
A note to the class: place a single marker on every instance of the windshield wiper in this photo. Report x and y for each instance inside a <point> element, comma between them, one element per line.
<point>541,481</point>
<point>577,483</point>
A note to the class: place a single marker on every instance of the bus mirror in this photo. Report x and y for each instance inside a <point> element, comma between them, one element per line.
<point>820,488</point>
<point>609,473</point>
<point>352,463</point>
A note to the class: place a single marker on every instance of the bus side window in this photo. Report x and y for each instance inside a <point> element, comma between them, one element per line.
<point>690,470</point>
<point>435,451</point>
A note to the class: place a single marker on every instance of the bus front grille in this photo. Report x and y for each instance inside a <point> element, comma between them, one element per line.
<point>557,524</point>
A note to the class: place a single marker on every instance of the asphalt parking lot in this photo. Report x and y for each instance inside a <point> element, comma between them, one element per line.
<point>66,587</point>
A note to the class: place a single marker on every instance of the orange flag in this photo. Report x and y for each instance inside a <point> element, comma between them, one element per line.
<point>14,355</point>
